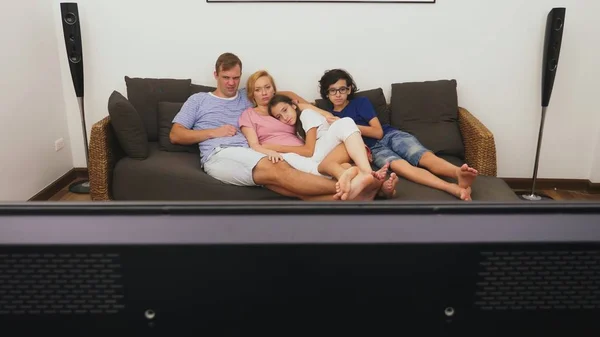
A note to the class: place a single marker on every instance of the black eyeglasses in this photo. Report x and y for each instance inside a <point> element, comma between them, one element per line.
<point>342,90</point>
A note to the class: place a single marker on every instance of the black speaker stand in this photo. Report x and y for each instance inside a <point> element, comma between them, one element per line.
<point>532,196</point>
<point>82,186</point>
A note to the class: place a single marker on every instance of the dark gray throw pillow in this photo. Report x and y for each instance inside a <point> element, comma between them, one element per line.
<point>429,111</point>
<point>375,96</point>
<point>145,93</point>
<point>166,113</point>
<point>128,126</point>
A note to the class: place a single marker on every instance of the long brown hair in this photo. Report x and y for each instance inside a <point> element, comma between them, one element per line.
<point>276,99</point>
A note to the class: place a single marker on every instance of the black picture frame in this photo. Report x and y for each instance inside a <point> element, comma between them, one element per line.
<point>326,1</point>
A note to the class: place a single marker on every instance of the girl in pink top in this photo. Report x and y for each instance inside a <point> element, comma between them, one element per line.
<point>266,134</point>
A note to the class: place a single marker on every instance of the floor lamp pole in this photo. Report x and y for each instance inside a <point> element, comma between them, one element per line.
<point>82,187</point>
<point>534,196</point>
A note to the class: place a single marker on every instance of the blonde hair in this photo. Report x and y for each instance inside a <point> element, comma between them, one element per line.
<point>251,83</point>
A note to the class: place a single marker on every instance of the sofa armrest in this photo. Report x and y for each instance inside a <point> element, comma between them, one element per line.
<point>104,152</point>
<point>480,147</point>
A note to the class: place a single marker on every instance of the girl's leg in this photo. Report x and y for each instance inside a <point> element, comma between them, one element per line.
<point>332,164</point>
<point>345,130</point>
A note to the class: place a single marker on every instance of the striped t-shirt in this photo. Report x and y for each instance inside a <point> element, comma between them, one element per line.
<point>206,111</point>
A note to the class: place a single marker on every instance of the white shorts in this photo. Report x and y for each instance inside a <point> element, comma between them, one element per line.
<point>233,165</point>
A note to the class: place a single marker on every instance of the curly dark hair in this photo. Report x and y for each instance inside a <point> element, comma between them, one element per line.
<point>332,76</point>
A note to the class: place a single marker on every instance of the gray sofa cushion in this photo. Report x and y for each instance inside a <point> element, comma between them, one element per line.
<point>145,93</point>
<point>429,111</point>
<point>128,126</point>
<point>375,96</point>
<point>176,176</point>
<point>166,113</point>
<point>484,188</point>
<point>196,88</point>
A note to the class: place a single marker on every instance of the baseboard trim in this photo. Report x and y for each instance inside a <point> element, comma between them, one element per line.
<point>583,185</point>
<point>60,183</point>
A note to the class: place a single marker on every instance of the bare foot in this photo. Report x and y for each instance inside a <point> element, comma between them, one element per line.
<point>381,173</point>
<point>388,189</point>
<point>370,191</point>
<point>358,184</point>
<point>465,194</point>
<point>466,175</point>
<point>343,186</point>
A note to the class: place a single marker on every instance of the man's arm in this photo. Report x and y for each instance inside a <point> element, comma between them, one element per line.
<point>293,96</point>
<point>304,104</point>
<point>183,136</point>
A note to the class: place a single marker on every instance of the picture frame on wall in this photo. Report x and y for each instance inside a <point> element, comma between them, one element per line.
<point>333,1</point>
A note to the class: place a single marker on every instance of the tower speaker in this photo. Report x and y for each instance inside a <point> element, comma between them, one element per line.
<point>71,23</point>
<point>552,42</point>
<point>555,23</point>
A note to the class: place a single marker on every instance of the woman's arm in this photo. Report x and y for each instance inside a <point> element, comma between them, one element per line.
<point>306,150</point>
<point>322,112</point>
<point>252,138</point>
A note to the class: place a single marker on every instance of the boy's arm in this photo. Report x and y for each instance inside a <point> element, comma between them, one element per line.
<point>374,130</point>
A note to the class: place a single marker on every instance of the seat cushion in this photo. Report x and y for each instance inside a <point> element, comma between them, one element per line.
<point>429,111</point>
<point>128,126</point>
<point>176,176</point>
<point>145,93</point>
<point>484,188</point>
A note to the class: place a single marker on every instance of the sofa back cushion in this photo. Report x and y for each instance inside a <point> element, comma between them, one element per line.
<point>196,88</point>
<point>375,96</point>
<point>429,111</point>
<point>145,93</point>
<point>128,126</point>
<point>166,113</point>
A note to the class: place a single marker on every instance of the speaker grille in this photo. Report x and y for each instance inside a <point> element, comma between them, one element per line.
<point>539,280</point>
<point>34,284</point>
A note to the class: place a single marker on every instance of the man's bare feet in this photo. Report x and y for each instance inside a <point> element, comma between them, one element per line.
<point>388,189</point>
<point>343,186</point>
<point>466,175</point>
<point>370,191</point>
<point>358,184</point>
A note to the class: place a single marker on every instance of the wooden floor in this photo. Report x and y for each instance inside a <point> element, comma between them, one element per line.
<point>65,195</point>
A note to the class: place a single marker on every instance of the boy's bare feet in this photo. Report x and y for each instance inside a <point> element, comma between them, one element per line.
<point>466,175</point>
<point>388,189</point>
<point>382,172</point>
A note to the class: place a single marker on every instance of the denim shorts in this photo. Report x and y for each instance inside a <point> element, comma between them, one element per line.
<point>395,145</point>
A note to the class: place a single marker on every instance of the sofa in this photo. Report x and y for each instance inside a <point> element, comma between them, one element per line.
<point>132,159</point>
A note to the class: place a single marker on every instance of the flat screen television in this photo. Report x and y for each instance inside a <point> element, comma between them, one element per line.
<point>302,269</point>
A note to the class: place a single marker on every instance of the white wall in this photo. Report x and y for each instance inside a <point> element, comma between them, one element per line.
<point>32,110</point>
<point>493,49</point>
<point>595,169</point>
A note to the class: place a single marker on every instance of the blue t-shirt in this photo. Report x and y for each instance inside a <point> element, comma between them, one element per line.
<point>206,111</point>
<point>361,111</point>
